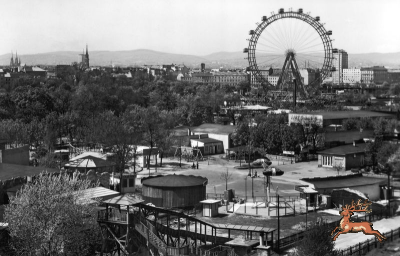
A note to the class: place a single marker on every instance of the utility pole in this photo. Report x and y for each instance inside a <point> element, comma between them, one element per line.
<point>279,226</point>
<point>306,211</point>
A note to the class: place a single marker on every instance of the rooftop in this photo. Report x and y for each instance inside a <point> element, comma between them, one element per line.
<point>346,181</point>
<point>8,171</point>
<point>98,192</point>
<point>345,149</point>
<point>174,181</point>
<point>210,201</point>
<point>89,162</point>
<point>346,114</point>
<point>207,140</point>
<point>215,128</point>
<point>123,200</point>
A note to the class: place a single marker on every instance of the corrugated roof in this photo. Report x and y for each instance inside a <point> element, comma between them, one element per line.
<point>215,128</point>
<point>343,182</point>
<point>174,181</point>
<point>345,150</point>
<point>98,192</point>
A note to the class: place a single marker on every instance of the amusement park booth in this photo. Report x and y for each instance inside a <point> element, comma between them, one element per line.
<point>210,207</point>
<point>208,146</point>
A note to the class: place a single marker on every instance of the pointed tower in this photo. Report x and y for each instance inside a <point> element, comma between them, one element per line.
<point>16,61</point>
<point>87,56</point>
<point>12,60</point>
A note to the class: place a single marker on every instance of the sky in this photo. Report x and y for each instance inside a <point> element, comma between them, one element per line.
<point>198,27</point>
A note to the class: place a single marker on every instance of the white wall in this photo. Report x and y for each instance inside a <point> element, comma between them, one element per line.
<point>222,137</point>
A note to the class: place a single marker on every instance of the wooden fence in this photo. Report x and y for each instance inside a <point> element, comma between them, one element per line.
<point>288,241</point>
<point>364,247</point>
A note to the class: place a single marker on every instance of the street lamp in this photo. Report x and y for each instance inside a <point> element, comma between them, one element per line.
<point>245,192</point>
<point>306,211</point>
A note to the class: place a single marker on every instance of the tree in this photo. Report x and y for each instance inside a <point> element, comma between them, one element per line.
<point>394,89</point>
<point>338,167</point>
<point>153,128</point>
<point>317,241</point>
<point>31,102</point>
<point>51,216</point>
<point>241,135</point>
<point>350,124</point>
<point>119,134</point>
<point>226,176</point>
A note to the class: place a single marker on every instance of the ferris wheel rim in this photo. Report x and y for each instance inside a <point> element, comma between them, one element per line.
<point>313,22</point>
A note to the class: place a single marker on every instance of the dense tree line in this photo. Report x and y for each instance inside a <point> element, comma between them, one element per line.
<point>95,107</point>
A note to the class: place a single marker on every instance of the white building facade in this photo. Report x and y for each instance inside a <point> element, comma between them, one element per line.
<point>351,75</point>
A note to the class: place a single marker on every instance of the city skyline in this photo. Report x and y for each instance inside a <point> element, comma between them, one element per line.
<point>185,27</point>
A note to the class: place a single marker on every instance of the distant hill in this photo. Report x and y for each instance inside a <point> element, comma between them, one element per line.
<point>149,57</point>
<point>375,59</point>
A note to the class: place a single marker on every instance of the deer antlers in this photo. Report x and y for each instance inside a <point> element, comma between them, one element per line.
<point>362,207</point>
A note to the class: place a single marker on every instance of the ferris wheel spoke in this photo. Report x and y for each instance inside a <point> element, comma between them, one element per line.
<point>269,56</point>
<point>276,46</point>
<point>309,55</point>
<point>299,32</point>
<point>270,62</point>
<point>306,33</point>
<point>321,43</point>
<point>309,41</point>
<point>278,42</point>
<point>281,35</point>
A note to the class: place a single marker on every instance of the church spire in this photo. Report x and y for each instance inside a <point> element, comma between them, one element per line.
<point>12,60</point>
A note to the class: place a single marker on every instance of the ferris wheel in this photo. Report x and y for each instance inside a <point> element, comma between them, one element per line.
<point>287,46</point>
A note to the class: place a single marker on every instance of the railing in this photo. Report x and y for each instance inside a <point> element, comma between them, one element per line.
<point>151,237</point>
<point>290,240</point>
<point>112,215</point>
<point>220,250</point>
<point>256,198</point>
<point>370,244</point>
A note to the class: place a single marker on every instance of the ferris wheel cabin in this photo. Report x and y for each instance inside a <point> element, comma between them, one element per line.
<point>281,11</point>
<point>300,10</point>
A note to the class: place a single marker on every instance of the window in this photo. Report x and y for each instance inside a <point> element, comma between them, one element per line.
<point>124,183</point>
<point>131,182</point>
<point>205,149</point>
<point>327,161</point>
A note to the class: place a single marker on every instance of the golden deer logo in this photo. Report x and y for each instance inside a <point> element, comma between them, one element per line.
<point>348,226</point>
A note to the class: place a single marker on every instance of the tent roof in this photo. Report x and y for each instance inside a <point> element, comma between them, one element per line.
<point>90,162</point>
<point>123,200</point>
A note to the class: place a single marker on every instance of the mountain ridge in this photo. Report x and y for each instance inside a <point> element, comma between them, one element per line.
<point>152,57</point>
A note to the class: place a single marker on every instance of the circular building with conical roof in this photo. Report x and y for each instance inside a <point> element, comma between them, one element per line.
<point>174,191</point>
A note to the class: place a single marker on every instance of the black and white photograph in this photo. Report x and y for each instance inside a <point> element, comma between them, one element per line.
<point>200,128</point>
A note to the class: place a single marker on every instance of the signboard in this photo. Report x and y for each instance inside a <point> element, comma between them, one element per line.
<point>288,152</point>
<point>339,158</point>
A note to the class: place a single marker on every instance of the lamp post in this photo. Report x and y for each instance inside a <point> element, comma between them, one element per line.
<point>252,186</point>
<point>245,192</point>
<point>279,232</point>
<point>180,152</point>
<point>306,211</point>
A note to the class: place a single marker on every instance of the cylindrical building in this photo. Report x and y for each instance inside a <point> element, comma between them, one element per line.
<point>172,191</point>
